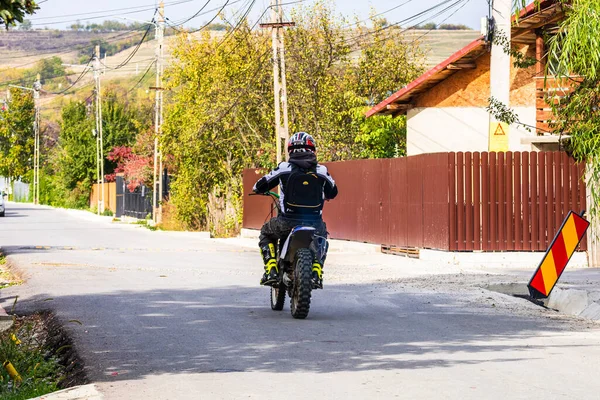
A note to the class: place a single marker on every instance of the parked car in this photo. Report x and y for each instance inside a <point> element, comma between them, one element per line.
<point>2,204</point>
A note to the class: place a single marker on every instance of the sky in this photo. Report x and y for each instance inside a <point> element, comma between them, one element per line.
<point>59,14</point>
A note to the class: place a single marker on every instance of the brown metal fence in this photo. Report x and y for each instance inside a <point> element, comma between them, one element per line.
<point>449,201</point>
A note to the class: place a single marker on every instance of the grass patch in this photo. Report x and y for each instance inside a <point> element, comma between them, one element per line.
<point>7,278</point>
<point>42,354</point>
<point>144,223</point>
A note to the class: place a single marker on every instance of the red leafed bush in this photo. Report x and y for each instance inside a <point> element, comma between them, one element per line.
<point>138,171</point>
<point>136,168</point>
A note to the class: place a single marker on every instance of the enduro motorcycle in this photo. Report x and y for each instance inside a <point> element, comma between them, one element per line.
<point>295,261</point>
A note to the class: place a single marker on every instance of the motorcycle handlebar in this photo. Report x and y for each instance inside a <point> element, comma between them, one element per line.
<point>272,194</point>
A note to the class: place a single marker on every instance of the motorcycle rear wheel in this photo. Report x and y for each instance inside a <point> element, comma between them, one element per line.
<point>301,293</point>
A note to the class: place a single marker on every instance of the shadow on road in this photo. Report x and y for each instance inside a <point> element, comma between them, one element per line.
<point>229,329</point>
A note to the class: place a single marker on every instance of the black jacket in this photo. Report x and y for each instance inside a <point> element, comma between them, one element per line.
<point>279,176</point>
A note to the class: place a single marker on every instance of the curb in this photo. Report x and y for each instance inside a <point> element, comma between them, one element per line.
<point>6,321</point>
<point>497,259</point>
<point>580,302</point>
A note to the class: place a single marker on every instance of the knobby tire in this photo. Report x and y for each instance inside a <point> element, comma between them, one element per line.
<point>300,302</point>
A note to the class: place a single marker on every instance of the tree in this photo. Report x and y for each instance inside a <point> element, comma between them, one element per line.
<point>50,68</point>
<point>454,27</point>
<point>219,119</point>
<point>428,26</point>
<point>13,11</point>
<point>71,163</point>
<point>574,52</point>
<point>16,135</point>
<point>25,25</point>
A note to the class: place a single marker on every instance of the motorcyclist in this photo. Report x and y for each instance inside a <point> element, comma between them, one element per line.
<point>305,185</point>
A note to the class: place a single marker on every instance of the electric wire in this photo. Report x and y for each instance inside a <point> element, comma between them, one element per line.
<point>196,14</point>
<point>142,78</point>
<point>238,24</point>
<point>133,53</point>
<point>83,73</point>
<point>176,24</point>
<point>102,16</point>
<point>145,8</point>
<point>70,50</point>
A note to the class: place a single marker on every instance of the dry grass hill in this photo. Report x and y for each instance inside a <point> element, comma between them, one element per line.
<point>24,48</point>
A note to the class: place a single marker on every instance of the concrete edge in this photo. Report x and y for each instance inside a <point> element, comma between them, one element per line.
<point>497,259</point>
<point>576,301</point>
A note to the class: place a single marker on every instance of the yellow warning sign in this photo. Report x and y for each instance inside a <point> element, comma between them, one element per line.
<point>498,136</point>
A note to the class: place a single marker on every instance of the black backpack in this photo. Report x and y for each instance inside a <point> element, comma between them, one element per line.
<point>303,194</point>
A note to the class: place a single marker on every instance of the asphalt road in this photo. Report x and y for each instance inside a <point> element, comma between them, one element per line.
<point>175,316</point>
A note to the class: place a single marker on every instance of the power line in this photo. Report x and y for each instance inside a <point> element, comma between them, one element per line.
<point>120,36</point>
<point>142,78</point>
<point>238,24</point>
<point>406,20</point>
<point>145,8</point>
<point>101,16</point>
<point>196,14</point>
<point>258,21</point>
<point>83,73</point>
<point>377,15</point>
<point>465,2</point>
<point>133,53</point>
<point>218,9</point>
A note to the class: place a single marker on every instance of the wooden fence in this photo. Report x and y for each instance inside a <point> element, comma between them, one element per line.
<point>110,196</point>
<point>512,201</point>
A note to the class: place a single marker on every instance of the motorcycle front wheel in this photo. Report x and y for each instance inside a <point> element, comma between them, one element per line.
<point>277,298</point>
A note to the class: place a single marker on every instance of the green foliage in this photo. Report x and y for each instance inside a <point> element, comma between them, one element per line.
<point>25,25</point>
<point>112,48</point>
<point>13,11</point>
<point>217,27</point>
<point>454,27</point>
<point>70,167</point>
<point>380,136</point>
<point>576,45</point>
<point>573,51</point>
<point>51,70</point>
<point>16,135</point>
<point>219,119</point>
<point>39,370</point>
<point>428,26</point>
<point>501,111</point>
<point>520,59</point>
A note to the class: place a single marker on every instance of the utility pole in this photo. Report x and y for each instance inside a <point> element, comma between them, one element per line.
<point>500,73</point>
<point>157,188</point>
<point>279,75</point>
<point>37,87</point>
<point>99,140</point>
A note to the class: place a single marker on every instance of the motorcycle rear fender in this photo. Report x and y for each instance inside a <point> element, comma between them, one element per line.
<point>300,237</point>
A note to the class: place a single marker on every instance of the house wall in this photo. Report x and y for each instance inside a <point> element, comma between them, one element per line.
<point>442,129</point>
<point>451,116</point>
